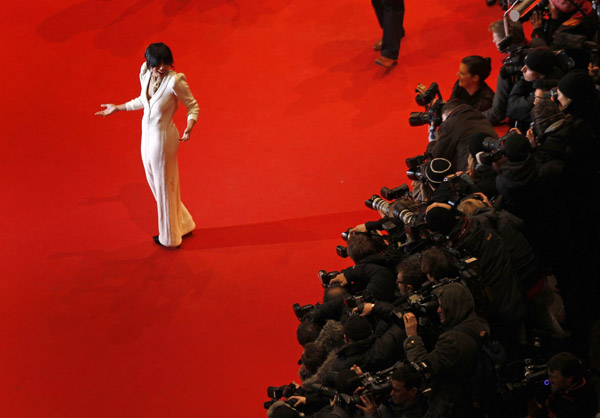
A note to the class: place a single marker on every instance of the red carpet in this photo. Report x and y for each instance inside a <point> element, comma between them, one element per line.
<point>297,128</point>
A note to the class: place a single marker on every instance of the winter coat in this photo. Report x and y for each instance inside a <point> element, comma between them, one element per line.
<point>372,275</point>
<point>517,184</point>
<point>476,238</point>
<point>373,353</point>
<point>454,358</point>
<point>580,402</point>
<point>454,135</point>
<point>522,257</point>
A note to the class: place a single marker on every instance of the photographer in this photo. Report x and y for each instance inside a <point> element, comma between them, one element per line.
<point>405,400</point>
<point>475,238</point>
<point>578,97</point>
<point>541,67</point>
<point>566,21</point>
<point>483,164</point>
<point>454,358</point>
<point>471,88</point>
<point>572,395</point>
<point>369,351</point>
<point>506,76</point>
<point>525,263</point>
<point>371,272</point>
<point>459,122</point>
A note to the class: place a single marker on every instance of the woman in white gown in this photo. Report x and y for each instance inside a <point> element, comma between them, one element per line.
<point>162,89</point>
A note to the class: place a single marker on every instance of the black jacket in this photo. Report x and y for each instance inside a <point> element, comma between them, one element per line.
<point>580,402</point>
<point>374,276</point>
<point>454,135</point>
<point>473,236</point>
<point>454,358</point>
<point>481,100</point>
<point>517,184</point>
<point>523,259</point>
<point>373,353</point>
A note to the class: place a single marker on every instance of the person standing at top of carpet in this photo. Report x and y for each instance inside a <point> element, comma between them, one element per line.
<point>390,15</point>
<point>162,89</point>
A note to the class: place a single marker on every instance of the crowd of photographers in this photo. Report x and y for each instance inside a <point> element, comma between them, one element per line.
<point>449,307</point>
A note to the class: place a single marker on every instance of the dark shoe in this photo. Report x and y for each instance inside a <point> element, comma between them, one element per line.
<point>386,62</point>
<point>157,241</point>
<point>377,46</point>
<point>189,234</point>
<point>490,2</point>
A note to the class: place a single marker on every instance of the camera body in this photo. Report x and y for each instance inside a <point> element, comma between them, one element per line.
<point>326,276</point>
<point>433,116</point>
<point>433,108</point>
<point>416,168</point>
<point>514,62</point>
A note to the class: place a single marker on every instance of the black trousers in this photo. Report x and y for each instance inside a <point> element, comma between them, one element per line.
<point>390,15</point>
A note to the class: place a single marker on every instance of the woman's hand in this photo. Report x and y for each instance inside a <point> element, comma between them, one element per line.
<point>110,109</point>
<point>188,130</point>
<point>186,135</point>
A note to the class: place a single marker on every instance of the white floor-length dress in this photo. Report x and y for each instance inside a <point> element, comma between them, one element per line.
<point>160,141</point>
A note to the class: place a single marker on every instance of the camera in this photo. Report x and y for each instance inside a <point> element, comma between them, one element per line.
<point>513,64</point>
<point>422,303</point>
<point>425,98</point>
<point>494,150</point>
<point>326,277</point>
<point>302,311</point>
<point>396,192</point>
<point>416,168</point>
<point>378,385</point>
<point>377,203</point>
<point>433,116</point>
<point>425,373</point>
<point>353,301</point>
<point>341,251</point>
<point>278,392</point>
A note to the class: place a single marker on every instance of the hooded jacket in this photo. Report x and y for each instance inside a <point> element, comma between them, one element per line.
<point>454,359</point>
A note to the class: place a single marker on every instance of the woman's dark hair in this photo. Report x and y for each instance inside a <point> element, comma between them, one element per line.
<point>158,53</point>
<point>478,66</point>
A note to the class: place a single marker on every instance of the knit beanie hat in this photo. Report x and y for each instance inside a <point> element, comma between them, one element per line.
<point>440,220</point>
<point>437,170</point>
<point>357,328</point>
<point>577,85</point>
<point>516,147</point>
<point>541,60</point>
